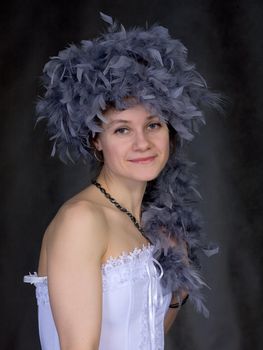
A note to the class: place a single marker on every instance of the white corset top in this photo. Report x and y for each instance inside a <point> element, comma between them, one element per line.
<point>133,307</point>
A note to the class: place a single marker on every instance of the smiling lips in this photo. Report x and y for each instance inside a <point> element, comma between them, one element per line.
<point>143,160</point>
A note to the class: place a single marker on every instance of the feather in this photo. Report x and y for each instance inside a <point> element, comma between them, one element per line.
<point>79,73</point>
<point>155,54</point>
<point>106,18</point>
<point>177,92</point>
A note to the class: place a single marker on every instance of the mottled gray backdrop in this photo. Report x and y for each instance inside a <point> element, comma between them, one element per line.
<point>224,38</point>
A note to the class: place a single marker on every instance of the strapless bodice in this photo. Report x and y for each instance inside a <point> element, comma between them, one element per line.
<point>133,307</point>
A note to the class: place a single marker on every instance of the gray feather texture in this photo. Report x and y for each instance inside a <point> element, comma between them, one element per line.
<point>147,64</point>
<point>173,223</point>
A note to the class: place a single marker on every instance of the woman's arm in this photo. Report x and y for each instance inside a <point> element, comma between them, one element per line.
<point>170,316</point>
<point>76,243</point>
<point>172,312</point>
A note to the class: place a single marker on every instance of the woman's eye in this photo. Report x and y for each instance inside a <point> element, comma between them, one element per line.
<point>121,131</point>
<point>151,126</point>
<point>154,125</point>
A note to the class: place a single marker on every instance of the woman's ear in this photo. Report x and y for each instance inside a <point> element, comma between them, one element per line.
<point>97,143</point>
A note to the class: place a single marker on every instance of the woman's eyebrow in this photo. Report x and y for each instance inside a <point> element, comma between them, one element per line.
<point>116,121</point>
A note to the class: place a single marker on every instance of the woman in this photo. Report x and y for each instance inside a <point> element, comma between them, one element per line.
<point>104,281</point>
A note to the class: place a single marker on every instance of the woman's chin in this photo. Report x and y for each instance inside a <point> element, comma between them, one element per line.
<point>144,175</point>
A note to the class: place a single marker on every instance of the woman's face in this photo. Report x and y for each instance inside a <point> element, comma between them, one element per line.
<point>135,144</point>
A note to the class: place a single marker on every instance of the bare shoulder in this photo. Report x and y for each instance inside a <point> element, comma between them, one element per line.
<point>81,211</point>
<point>78,222</point>
<point>76,242</point>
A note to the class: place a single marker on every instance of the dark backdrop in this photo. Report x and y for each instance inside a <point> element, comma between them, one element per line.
<point>224,38</point>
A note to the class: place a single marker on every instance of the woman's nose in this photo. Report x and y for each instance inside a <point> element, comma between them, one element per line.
<point>141,141</point>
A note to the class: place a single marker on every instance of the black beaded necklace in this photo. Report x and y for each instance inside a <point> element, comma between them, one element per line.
<point>121,208</point>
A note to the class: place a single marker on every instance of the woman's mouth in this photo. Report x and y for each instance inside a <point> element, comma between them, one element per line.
<point>144,160</point>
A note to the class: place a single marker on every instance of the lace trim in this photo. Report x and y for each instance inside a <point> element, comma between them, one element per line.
<point>41,287</point>
<point>115,271</point>
<point>145,331</point>
<point>126,257</point>
<point>33,278</point>
<point>127,267</point>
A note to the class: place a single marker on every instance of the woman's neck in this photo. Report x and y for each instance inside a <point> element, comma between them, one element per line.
<point>128,193</point>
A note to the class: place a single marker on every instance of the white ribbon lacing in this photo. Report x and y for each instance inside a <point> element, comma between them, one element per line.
<point>155,297</point>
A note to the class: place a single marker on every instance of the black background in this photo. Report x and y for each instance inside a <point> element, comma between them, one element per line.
<point>224,38</point>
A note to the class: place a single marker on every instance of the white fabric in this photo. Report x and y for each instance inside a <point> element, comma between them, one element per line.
<point>133,304</point>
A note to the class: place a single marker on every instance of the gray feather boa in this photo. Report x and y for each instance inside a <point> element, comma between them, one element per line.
<point>173,223</point>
